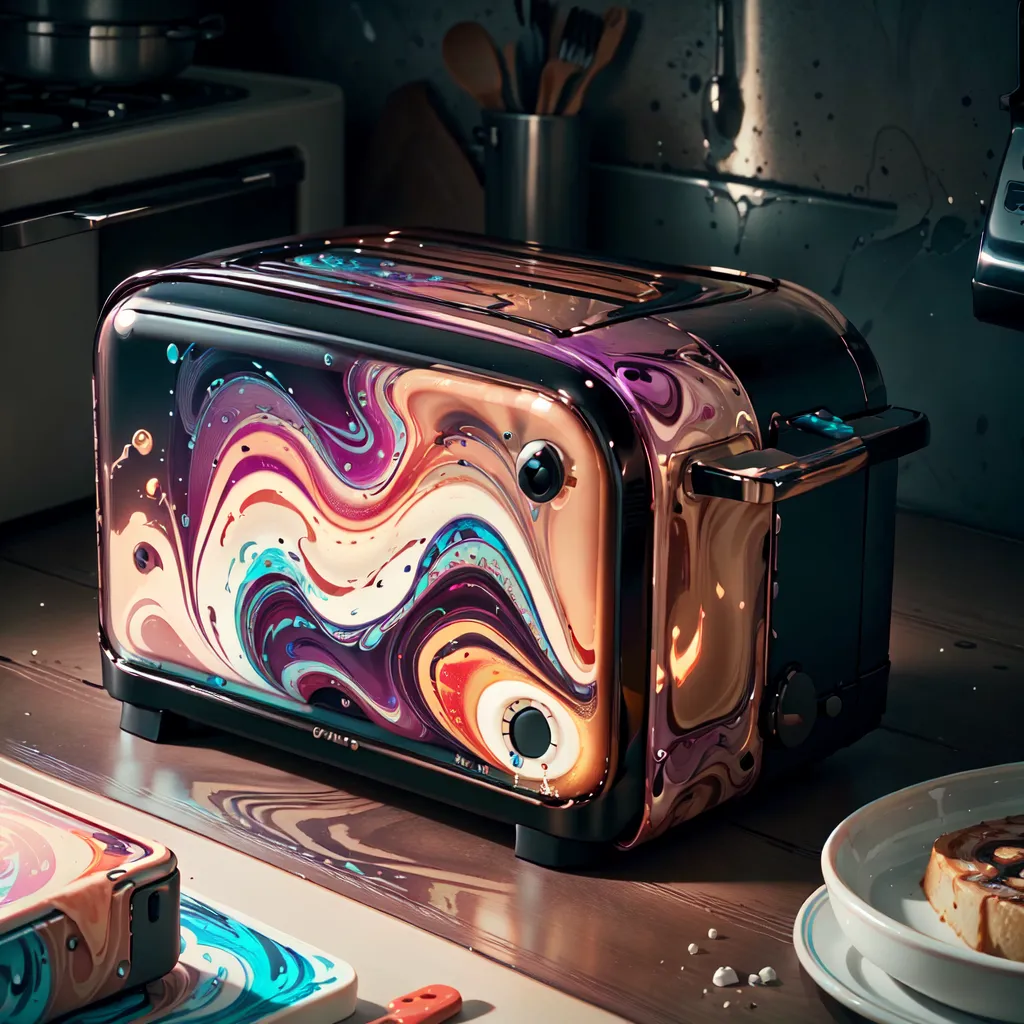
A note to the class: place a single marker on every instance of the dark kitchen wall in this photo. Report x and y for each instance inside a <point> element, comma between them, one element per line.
<point>869,136</point>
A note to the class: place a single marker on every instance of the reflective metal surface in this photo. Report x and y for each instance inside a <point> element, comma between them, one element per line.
<point>96,54</point>
<point>763,477</point>
<point>563,295</point>
<point>773,475</point>
<point>104,12</point>
<point>709,681</point>
<point>535,174</point>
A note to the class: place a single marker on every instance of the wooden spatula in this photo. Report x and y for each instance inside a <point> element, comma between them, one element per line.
<point>615,21</point>
<point>429,1005</point>
<point>553,79</point>
<point>573,56</point>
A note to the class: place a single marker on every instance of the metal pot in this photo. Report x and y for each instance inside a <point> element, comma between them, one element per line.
<point>105,12</point>
<point>99,54</point>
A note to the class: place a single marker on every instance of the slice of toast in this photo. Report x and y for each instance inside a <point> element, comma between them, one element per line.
<point>975,881</point>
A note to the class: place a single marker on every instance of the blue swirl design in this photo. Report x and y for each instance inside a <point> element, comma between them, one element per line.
<point>236,975</point>
<point>824,423</point>
<point>381,269</point>
<point>26,979</point>
<point>271,572</point>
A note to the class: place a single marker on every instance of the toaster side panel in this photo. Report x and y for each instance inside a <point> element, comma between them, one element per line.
<point>706,742</point>
<point>709,594</point>
<point>352,544</point>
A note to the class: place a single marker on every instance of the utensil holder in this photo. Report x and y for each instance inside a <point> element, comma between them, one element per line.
<point>536,172</point>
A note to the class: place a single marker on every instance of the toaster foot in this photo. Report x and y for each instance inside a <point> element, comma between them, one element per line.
<point>148,724</point>
<point>555,852</point>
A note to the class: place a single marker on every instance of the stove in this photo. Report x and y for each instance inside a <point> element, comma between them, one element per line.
<point>97,184</point>
<point>32,113</point>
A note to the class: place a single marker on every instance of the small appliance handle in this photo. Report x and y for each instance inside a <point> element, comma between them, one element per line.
<point>768,475</point>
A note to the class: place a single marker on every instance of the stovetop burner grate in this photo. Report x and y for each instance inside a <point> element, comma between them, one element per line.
<point>32,112</point>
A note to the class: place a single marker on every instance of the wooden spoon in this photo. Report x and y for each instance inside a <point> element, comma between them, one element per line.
<point>615,21</point>
<point>473,61</point>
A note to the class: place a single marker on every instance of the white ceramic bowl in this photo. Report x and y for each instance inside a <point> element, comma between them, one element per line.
<point>873,864</point>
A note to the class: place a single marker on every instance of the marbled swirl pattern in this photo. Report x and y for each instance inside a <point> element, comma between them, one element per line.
<point>65,929</point>
<point>43,851</point>
<point>352,541</point>
<point>709,593</point>
<point>229,972</point>
<point>26,980</point>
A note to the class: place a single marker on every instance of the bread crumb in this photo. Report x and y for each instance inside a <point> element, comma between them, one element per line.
<point>725,977</point>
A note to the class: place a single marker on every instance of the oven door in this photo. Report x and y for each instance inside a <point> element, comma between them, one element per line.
<point>57,266</point>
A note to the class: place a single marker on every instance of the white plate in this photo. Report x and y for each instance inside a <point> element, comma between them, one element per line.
<point>873,864</point>
<point>827,956</point>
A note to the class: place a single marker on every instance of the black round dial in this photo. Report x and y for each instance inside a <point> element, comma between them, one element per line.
<point>530,733</point>
<point>541,472</point>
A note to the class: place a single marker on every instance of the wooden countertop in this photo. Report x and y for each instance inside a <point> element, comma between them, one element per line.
<point>615,938</point>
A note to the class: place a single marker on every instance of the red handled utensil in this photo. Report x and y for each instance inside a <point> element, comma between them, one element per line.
<point>429,1005</point>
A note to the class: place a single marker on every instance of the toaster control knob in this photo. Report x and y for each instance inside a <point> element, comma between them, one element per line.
<point>796,709</point>
<point>540,471</point>
<point>530,733</point>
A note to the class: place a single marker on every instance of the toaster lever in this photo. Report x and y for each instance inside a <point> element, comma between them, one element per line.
<point>768,475</point>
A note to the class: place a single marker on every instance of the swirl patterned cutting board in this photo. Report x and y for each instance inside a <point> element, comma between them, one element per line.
<point>234,971</point>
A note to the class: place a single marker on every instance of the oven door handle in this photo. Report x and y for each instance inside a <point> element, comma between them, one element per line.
<point>764,476</point>
<point>147,202</point>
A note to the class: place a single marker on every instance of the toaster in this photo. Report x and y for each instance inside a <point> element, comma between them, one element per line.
<point>583,546</point>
